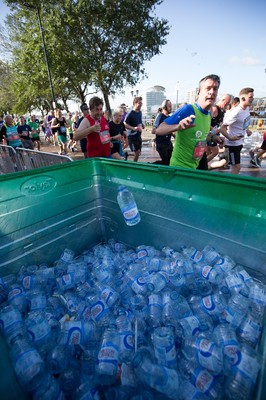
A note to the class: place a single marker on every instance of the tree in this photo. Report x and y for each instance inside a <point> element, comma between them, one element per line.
<point>101,43</point>
<point>7,96</point>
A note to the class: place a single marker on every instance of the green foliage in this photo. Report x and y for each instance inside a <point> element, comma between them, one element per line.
<point>101,44</point>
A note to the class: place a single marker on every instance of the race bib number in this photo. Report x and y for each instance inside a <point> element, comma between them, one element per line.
<point>199,150</point>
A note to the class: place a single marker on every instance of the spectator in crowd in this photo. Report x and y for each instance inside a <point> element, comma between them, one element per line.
<point>164,144</point>
<point>83,142</point>
<point>35,132</point>
<point>235,125</point>
<point>124,108</point>
<point>9,133</point>
<point>24,131</point>
<point>256,159</point>
<point>217,114</point>
<point>59,123</point>
<point>133,123</point>
<point>117,131</point>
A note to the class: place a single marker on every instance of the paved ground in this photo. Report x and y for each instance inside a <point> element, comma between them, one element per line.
<point>149,154</point>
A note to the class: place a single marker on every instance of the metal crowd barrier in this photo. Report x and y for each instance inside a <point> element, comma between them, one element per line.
<point>21,159</point>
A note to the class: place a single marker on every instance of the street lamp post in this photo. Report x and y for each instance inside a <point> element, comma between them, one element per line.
<point>30,6</point>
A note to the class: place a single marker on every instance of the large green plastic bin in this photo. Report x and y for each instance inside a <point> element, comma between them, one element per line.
<point>74,205</point>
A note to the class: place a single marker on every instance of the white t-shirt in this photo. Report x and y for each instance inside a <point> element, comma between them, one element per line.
<point>237,120</point>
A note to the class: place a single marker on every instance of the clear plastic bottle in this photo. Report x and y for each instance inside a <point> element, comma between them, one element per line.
<point>162,379</point>
<point>126,335</point>
<point>58,359</point>
<point>225,263</point>
<point>11,322</point>
<point>27,363</point>
<point>225,336</point>
<point>250,330</point>
<point>201,378</point>
<point>48,389</point>
<point>154,310</point>
<point>69,379</point>
<point>17,297</point>
<point>214,304</point>
<point>39,331</point>
<point>211,274</point>
<point>158,280</point>
<point>235,310</point>
<point>207,353</point>
<point>211,255</point>
<point>128,206</point>
<point>108,356</point>
<point>175,307</point>
<point>244,372</point>
<point>164,346</point>
<point>193,254</point>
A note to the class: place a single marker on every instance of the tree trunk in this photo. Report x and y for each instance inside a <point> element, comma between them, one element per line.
<point>107,104</point>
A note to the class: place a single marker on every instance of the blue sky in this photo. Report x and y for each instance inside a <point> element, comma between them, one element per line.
<point>226,38</point>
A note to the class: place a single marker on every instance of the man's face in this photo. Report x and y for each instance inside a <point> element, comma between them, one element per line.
<point>225,101</point>
<point>138,105</point>
<point>85,111</point>
<point>169,107</point>
<point>208,93</point>
<point>97,112</point>
<point>22,121</point>
<point>249,98</point>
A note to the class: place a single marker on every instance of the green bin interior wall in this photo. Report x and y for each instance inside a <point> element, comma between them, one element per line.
<point>74,205</point>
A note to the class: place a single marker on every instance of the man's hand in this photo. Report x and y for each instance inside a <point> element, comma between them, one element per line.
<point>186,123</point>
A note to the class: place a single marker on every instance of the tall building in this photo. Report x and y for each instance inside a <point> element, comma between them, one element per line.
<point>191,96</point>
<point>154,98</point>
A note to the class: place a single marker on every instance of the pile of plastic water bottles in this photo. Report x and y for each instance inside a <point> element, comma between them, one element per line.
<point>121,323</point>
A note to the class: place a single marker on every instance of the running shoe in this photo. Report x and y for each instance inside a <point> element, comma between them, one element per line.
<point>254,164</point>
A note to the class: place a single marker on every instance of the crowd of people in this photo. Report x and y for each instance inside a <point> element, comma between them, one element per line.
<point>198,130</point>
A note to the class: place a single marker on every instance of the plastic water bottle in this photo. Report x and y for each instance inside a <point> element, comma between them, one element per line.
<point>69,379</point>
<point>208,272</point>
<point>154,310</point>
<point>208,354</point>
<point>175,307</point>
<point>214,304</point>
<point>79,333</point>
<point>225,336</point>
<point>128,206</point>
<point>11,323</point>
<point>250,330</point>
<point>201,378</point>
<point>17,297</point>
<point>39,331</point>
<point>87,391</point>
<point>244,372</point>
<point>225,263</point>
<point>160,378</point>
<point>235,310</point>
<point>193,254</point>
<point>164,346</point>
<point>257,293</point>
<point>211,255</point>
<point>126,335</point>
<point>158,281</point>
<point>48,389</point>
<point>58,359</point>
<point>3,291</point>
<point>108,356</point>
<point>37,299</point>
<point>27,363</point>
